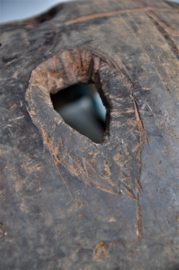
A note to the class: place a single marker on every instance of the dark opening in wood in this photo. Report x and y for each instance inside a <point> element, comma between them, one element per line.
<point>82,108</point>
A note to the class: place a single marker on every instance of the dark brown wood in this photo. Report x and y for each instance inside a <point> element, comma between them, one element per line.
<point>65,201</point>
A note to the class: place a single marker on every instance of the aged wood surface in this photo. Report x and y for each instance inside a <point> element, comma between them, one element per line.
<point>66,202</point>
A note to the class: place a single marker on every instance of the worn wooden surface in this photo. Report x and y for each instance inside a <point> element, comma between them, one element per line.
<point>66,202</point>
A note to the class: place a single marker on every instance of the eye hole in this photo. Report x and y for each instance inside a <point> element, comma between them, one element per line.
<point>82,108</point>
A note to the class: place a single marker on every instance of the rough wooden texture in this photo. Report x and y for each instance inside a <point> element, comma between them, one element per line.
<point>66,202</point>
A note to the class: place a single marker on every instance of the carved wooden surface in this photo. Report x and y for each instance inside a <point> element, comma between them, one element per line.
<point>65,201</point>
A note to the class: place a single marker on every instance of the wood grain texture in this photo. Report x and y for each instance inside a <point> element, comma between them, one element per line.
<point>66,202</point>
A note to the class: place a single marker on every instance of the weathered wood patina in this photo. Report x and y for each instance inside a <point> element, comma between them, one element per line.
<point>65,201</point>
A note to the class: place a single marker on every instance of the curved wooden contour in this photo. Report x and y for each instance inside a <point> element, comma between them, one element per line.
<point>66,202</point>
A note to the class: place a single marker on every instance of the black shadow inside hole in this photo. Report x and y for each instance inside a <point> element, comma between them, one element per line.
<point>82,108</point>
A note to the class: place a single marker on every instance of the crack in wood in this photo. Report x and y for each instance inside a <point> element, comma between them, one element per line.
<point>158,21</point>
<point>118,12</point>
<point>166,32</point>
<point>139,216</point>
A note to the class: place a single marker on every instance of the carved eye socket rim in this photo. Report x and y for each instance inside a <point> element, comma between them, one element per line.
<point>70,67</point>
<point>63,142</point>
<point>63,70</point>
